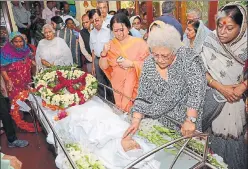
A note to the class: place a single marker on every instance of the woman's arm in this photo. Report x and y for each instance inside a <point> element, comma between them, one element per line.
<point>226,90</point>
<point>241,88</point>
<point>196,82</point>
<point>103,62</point>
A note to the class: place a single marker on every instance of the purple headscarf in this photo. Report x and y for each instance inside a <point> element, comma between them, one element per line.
<point>9,53</point>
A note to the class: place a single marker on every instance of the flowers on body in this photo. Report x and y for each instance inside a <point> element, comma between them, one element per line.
<point>157,134</point>
<point>65,86</point>
<point>82,158</point>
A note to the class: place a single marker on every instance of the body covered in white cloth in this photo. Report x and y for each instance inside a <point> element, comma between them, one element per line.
<point>95,126</point>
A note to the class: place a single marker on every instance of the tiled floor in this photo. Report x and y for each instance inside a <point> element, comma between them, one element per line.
<point>35,156</point>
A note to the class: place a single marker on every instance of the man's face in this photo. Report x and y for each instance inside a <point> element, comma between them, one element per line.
<point>86,22</point>
<point>103,7</point>
<point>97,21</point>
<point>15,3</point>
<point>66,8</point>
<point>50,5</point>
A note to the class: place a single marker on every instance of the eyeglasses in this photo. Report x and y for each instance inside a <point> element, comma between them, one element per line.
<point>163,57</point>
<point>96,20</point>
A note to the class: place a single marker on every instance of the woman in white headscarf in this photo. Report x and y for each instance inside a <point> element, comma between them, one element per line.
<point>224,54</point>
<point>136,24</point>
<point>196,34</point>
<point>52,50</point>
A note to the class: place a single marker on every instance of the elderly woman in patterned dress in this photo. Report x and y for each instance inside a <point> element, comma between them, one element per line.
<point>172,83</point>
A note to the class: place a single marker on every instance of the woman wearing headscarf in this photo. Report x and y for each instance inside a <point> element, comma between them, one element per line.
<point>52,50</point>
<point>16,64</point>
<point>224,53</point>
<point>196,34</point>
<point>67,34</point>
<point>122,59</point>
<point>136,24</point>
<point>155,24</point>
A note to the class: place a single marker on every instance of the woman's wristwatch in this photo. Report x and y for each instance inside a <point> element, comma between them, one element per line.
<point>192,119</point>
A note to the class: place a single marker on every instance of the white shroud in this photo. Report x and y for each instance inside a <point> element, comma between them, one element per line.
<point>96,127</point>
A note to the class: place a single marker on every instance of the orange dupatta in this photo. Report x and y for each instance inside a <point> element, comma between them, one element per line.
<point>126,80</point>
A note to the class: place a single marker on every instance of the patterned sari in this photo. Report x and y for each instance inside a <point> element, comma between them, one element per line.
<point>17,64</point>
<point>225,63</point>
<point>126,80</point>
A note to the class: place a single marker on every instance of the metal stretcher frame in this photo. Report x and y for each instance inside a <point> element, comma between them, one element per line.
<point>202,160</point>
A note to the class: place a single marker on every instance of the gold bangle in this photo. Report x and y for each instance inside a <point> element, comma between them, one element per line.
<point>210,81</point>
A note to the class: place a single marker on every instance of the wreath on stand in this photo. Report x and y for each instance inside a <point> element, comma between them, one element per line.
<point>61,87</point>
<point>15,114</point>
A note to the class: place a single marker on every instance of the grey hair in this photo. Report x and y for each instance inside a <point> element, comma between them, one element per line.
<point>195,11</point>
<point>168,37</point>
<point>48,26</point>
<point>168,6</point>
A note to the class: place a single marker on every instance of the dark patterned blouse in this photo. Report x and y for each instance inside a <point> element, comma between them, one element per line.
<point>185,88</point>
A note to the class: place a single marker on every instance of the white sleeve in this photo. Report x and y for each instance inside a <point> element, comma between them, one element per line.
<point>38,59</point>
<point>76,22</point>
<point>66,54</point>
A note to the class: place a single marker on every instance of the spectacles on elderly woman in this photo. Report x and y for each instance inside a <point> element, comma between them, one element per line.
<point>163,57</point>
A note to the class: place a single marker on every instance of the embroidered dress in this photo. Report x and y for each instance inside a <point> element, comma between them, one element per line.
<point>225,62</point>
<point>185,88</point>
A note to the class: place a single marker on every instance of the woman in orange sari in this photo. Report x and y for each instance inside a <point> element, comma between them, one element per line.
<point>122,59</point>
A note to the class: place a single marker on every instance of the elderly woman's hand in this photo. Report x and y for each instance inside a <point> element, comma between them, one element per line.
<point>46,63</point>
<point>188,128</point>
<point>132,129</point>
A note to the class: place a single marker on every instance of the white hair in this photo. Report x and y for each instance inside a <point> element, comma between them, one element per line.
<point>195,11</point>
<point>48,26</point>
<point>167,37</point>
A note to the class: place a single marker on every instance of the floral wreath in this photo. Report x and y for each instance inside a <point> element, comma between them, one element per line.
<point>15,114</point>
<point>61,87</point>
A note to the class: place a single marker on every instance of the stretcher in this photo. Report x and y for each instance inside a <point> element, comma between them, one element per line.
<point>185,157</point>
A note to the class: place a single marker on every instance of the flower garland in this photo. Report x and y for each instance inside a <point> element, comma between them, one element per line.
<point>15,114</point>
<point>82,158</point>
<point>61,87</point>
<point>157,134</point>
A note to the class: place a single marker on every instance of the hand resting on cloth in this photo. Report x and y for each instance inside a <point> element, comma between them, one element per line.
<point>96,127</point>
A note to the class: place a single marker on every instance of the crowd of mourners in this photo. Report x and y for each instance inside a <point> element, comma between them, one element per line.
<point>197,77</point>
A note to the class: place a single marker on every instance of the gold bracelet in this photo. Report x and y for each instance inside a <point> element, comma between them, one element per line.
<point>210,81</point>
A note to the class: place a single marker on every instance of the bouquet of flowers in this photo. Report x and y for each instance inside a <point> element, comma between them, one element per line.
<point>157,134</point>
<point>64,86</point>
<point>82,158</point>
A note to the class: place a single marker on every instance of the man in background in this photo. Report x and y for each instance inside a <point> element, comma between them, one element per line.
<point>99,36</point>
<point>49,12</point>
<point>22,19</point>
<point>103,7</point>
<point>195,15</point>
<point>168,17</point>
<point>84,42</point>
